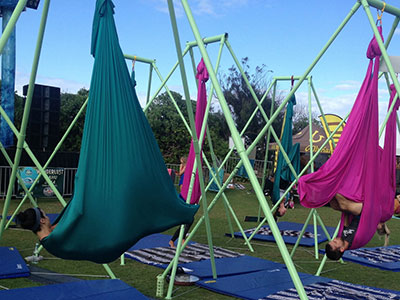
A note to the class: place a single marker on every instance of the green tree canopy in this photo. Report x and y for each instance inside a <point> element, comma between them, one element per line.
<point>70,105</point>
<point>172,135</point>
<point>242,104</point>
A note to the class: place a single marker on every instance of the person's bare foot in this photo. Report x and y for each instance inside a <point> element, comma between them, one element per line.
<point>171,244</point>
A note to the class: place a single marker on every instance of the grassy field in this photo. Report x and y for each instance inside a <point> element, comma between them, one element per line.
<point>143,277</point>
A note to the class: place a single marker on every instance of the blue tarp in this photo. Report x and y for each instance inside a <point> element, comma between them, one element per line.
<point>290,232</point>
<point>12,264</point>
<point>85,289</point>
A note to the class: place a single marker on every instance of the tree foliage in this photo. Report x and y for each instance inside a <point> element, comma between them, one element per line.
<point>301,118</point>
<point>242,104</point>
<point>172,135</point>
<point>70,106</point>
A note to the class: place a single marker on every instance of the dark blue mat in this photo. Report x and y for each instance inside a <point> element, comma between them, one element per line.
<point>85,289</point>
<point>151,250</point>
<point>256,285</point>
<point>276,284</point>
<point>385,258</point>
<point>290,232</point>
<point>229,266</point>
<point>152,241</point>
<point>12,264</point>
<point>336,289</point>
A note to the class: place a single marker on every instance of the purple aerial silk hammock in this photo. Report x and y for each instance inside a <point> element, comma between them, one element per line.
<point>387,174</point>
<point>359,169</point>
<point>202,77</point>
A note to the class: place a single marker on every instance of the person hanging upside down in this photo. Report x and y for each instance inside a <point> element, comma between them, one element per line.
<point>36,220</point>
<point>336,247</point>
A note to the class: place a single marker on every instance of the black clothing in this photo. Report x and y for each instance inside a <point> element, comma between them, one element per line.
<point>350,231</point>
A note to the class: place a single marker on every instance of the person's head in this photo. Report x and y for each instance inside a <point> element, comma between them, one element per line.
<point>33,219</point>
<point>183,160</point>
<point>334,249</point>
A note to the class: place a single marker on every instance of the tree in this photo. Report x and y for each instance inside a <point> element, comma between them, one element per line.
<point>242,104</point>
<point>172,135</point>
<point>301,117</point>
<point>70,105</point>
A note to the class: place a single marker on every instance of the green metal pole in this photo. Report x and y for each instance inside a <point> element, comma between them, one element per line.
<point>149,85</point>
<point>385,56</point>
<point>301,172</point>
<point>379,5</point>
<point>322,112</point>
<point>141,59</point>
<point>242,153</point>
<point>24,122</point>
<point>58,146</point>
<point>312,165</point>
<point>11,24</point>
<point>164,81</point>
<point>173,101</point>
<point>315,234</point>
<point>301,232</point>
<point>109,271</point>
<point>209,40</point>
<point>230,209</point>
<point>20,180</point>
<point>321,266</point>
<point>267,146</point>
<point>196,149</point>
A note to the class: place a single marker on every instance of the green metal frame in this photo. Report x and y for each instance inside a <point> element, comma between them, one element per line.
<point>313,212</point>
<point>21,134</point>
<point>242,152</point>
<point>236,136</point>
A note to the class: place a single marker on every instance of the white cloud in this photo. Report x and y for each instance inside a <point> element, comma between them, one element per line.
<point>397,31</point>
<point>347,85</point>
<point>201,7</point>
<point>67,86</point>
<point>162,6</point>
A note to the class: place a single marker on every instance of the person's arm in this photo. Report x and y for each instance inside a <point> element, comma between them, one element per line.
<point>182,169</point>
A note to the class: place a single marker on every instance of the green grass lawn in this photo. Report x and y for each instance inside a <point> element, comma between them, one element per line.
<point>244,203</point>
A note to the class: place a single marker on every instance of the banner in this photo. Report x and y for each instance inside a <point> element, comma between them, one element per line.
<point>42,188</point>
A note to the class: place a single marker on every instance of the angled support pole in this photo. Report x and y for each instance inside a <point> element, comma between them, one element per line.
<point>242,153</point>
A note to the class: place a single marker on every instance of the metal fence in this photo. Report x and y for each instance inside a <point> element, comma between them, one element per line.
<point>5,173</point>
<point>69,175</point>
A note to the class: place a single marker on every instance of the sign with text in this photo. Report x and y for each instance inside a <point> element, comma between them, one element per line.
<point>42,188</point>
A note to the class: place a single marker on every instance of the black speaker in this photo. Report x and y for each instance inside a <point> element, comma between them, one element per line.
<point>43,127</point>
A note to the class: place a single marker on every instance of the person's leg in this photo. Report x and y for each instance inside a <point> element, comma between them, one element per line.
<point>174,237</point>
<point>348,206</point>
<point>334,204</point>
<point>187,227</point>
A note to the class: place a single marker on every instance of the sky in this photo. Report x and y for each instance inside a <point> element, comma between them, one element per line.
<point>284,35</point>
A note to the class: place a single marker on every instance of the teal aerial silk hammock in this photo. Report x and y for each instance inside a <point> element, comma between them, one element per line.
<point>122,188</point>
<point>293,151</point>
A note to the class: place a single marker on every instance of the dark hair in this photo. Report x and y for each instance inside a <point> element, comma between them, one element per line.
<point>333,254</point>
<point>30,219</point>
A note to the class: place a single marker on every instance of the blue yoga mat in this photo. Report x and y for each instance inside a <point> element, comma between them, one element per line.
<point>151,250</point>
<point>276,284</point>
<point>12,264</point>
<point>256,285</point>
<point>336,289</point>
<point>290,232</point>
<point>85,289</point>
<point>229,266</point>
<point>385,258</point>
<point>152,241</point>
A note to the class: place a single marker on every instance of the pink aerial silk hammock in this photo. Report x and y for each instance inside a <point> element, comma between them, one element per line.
<point>202,77</point>
<point>359,169</point>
